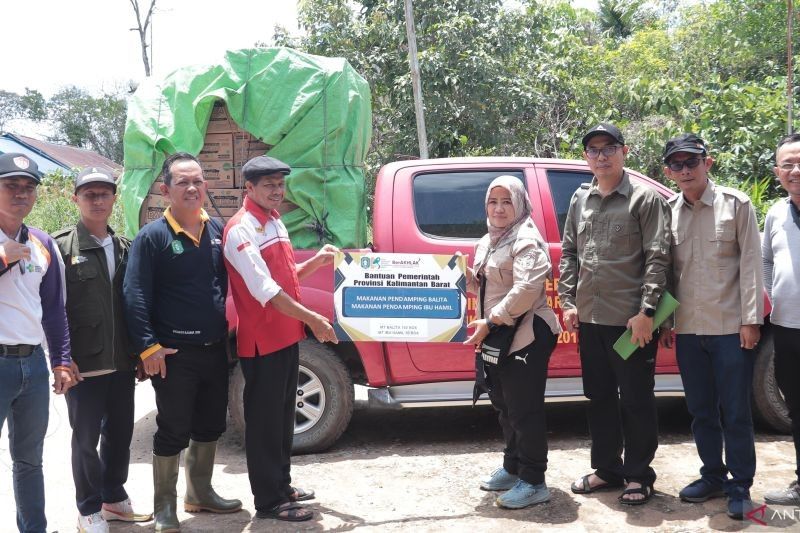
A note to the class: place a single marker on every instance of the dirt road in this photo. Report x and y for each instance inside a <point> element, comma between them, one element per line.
<point>420,469</point>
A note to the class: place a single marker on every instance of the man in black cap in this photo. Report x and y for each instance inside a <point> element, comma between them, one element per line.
<point>175,288</point>
<point>614,262</point>
<point>31,307</point>
<point>101,406</point>
<point>266,291</point>
<point>717,272</point>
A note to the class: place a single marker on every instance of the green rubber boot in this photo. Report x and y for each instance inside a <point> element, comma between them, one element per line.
<point>165,507</point>
<point>199,467</point>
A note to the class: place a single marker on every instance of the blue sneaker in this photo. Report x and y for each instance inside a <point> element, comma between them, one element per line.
<point>499,480</point>
<point>738,503</point>
<point>523,494</point>
<point>700,490</point>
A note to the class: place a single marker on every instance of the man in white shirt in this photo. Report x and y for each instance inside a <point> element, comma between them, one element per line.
<point>32,307</point>
<point>780,248</point>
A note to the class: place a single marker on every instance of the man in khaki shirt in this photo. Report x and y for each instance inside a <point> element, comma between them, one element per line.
<point>614,262</point>
<point>716,253</point>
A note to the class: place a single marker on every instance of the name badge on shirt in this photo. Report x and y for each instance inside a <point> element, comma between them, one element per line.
<point>177,247</point>
<point>78,259</point>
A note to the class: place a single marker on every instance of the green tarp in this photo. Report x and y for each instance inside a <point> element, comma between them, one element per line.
<point>314,111</point>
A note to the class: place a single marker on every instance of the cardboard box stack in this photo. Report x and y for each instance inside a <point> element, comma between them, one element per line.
<point>227,147</point>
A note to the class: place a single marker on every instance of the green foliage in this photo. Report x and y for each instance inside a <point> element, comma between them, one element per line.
<point>620,18</point>
<point>54,208</point>
<point>93,122</point>
<point>30,105</point>
<point>528,77</point>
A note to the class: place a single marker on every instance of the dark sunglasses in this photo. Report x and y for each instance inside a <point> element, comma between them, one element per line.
<point>677,166</point>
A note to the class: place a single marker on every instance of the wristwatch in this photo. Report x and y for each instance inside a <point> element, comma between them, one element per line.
<point>648,311</point>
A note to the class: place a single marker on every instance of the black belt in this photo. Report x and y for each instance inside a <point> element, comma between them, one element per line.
<point>17,350</point>
<point>170,343</point>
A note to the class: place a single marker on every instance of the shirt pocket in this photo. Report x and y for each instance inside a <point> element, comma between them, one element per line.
<point>584,231</point>
<point>86,335</point>
<point>81,273</point>
<point>723,245</point>
<point>624,238</point>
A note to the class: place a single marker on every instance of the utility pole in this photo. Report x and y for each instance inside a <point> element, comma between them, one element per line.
<point>416,85</point>
<point>789,68</point>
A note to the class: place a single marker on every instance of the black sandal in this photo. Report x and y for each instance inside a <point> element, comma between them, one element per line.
<point>288,512</point>
<point>300,495</point>
<point>586,488</point>
<point>645,490</point>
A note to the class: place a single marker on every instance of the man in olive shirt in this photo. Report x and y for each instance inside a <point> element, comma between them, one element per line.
<point>615,257</point>
<point>101,405</point>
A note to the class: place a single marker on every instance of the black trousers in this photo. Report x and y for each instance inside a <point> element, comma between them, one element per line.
<point>100,410</point>
<point>787,374</point>
<point>192,400</point>
<point>622,407</point>
<point>517,393</point>
<point>270,392</point>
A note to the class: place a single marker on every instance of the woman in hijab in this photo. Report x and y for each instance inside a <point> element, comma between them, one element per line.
<point>512,265</point>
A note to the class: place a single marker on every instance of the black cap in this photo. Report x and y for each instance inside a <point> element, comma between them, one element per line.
<point>264,165</point>
<point>15,164</point>
<point>94,175</point>
<point>604,128</point>
<point>686,142</point>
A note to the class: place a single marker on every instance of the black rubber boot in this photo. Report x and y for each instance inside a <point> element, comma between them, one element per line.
<point>200,496</point>
<point>165,507</point>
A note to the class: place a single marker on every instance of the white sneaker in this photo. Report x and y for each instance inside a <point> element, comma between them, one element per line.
<point>123,511</point>
<point>94,523</point>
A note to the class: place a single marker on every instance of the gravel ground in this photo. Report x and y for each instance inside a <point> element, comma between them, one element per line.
<point>419,469</point>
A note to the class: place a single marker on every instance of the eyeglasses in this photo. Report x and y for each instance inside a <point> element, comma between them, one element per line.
<point>677,166</point>
<point>93,197</point>
<point>788,167</point>
<point>607,151</point>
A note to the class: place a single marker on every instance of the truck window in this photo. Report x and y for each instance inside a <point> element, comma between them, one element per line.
<point>563,183</point>
<point>451,204</point>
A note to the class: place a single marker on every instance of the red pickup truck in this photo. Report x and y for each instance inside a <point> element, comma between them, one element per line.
<point>436,207</point>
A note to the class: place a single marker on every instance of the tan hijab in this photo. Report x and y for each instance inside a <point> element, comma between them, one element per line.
<point>520,201</point>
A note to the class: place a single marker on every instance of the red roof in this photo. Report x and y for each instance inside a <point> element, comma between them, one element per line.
<point>71,156</point>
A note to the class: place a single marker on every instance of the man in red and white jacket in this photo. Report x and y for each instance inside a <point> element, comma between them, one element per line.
<point>266,291</point>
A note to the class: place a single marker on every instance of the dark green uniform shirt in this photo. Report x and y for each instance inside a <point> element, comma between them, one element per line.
<point>615,253</point>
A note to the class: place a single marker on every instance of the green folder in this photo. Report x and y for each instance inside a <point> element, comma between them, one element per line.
<point>666,306</point>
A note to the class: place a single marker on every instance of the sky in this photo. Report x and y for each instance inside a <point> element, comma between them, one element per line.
<point>49,44</point>
<point>88,43</point>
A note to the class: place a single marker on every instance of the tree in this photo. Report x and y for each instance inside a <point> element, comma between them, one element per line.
<point>30,105</point>
<point>620,18</point>
<point>528,77</point>
<point>142,25</point>
<point>95,123</point>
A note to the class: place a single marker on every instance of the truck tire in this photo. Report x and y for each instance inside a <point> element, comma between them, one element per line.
<point>768,403</point>
<point>324,399</point>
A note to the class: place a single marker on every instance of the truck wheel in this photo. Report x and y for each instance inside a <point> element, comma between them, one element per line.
<point>768,403</point>
<point>324,399</point>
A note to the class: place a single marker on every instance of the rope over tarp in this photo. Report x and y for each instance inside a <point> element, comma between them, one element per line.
<point>314,111</point>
